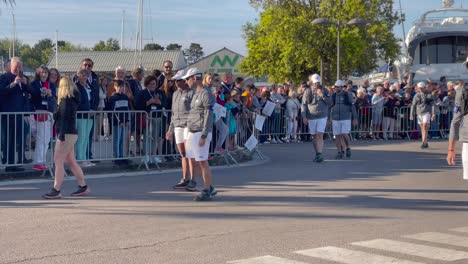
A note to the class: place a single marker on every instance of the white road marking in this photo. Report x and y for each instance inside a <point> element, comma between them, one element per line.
<point>347,256</point>
<point>265,260</point>
<point>414,249</point>
<point>441,238</point>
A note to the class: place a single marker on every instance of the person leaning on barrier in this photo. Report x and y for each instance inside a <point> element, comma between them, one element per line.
<point>65,122</point>
<point>459,130</point>
<point>424,107</point>
<point>15,94</point>
<point>44,100</point>
<point>315,107</point>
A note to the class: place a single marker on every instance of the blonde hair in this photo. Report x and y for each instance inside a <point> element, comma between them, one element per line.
<point>205,79</point>
<point>66,88</point>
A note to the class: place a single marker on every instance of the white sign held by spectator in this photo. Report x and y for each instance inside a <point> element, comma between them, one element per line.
<point>259,121</point>
<point>251,143</point>
<point>219,111</point>
<point>268,109</point>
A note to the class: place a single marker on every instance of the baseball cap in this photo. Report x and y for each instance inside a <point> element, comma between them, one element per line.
<point>191,72</point>
<point>339,83</point>
<point>449,83</point>
<point>316,78</point>
<point>421,85</point>
<point>179,75</point>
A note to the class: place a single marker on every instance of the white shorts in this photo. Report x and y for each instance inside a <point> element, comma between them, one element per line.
<point>465,160</point>
<point>424,119</point>
<point>317,126</point>
<point>180,134</point>
<point>341,127</point>
<point>193,150</point>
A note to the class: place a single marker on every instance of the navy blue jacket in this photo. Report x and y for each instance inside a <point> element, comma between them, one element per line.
<point>36,97</point>
<point>144,96</point>
<point>135,87</point>
<point>87,104</point>
<point>16,98</point>
<point>119,102</point>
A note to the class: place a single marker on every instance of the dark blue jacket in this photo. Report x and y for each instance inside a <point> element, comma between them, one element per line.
<point>144,96</point>
<point>16,98</point>
<point>135,87</point>
<point>36,97</point>
<point>119,102</point>
<point>86,104</point>
<point>94,103</point>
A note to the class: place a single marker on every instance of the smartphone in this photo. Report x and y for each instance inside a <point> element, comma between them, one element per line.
<point>21,74</point>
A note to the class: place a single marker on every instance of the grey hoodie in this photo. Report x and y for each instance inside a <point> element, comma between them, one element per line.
<point>200,117</point>
<point>423,103</point>
<point>341,111</point>
<point>314,106</point>
<point>181,100</point>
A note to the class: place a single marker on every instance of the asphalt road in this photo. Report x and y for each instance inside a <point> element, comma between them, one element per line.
<point>391,203</point>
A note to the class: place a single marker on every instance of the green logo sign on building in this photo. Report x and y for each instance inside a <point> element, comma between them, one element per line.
<point>227,64</point>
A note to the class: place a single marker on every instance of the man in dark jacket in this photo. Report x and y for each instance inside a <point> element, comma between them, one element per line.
<point>14,91</point>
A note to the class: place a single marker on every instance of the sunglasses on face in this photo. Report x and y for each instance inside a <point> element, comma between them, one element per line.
<point>167,66</point>
<point>88,65</point>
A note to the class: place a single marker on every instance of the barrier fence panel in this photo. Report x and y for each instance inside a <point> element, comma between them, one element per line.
<point>26,139</point>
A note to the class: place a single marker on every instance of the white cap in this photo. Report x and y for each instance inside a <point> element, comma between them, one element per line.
<point>339,83</point>
<point>192,72</point>
<point>315,78</point>
<point>421,85</point>
<point>179,75</point>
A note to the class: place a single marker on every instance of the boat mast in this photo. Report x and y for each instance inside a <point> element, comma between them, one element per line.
<point>139,35</point>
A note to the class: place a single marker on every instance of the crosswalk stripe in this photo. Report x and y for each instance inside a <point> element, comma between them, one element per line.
<point>461,229</point>
<point>441,238</point>
<point>414,249</point>
<point>347,256</point>
<point>265,260</point>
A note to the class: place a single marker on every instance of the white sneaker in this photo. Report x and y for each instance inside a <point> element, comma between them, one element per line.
<point>273,141</point>
<point>286,140</point>
<point>87,164</point>
<point>157,159</point>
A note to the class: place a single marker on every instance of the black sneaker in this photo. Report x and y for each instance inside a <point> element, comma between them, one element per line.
<point>339,155</point>
<point>53,194</point>
<point>319,158</point>
<point>203,196</point>
<point>213,191</point>
<point>181,185</point>
<point>191,186</point>
<point>348,153</point>
<point>82,190</point>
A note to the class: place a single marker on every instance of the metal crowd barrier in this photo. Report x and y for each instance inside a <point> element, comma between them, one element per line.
<point>26,140</point>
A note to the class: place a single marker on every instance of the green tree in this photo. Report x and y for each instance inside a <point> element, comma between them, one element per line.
<point>285,45</point>
<point>174,46</point>
<point>193,53</point>
<point>110,45</point>
<point>153,46</point>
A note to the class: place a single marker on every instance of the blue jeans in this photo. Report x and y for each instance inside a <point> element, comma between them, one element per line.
<point>119,134</point>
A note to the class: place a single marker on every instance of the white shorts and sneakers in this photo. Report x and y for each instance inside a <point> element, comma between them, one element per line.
<point>317,125</point>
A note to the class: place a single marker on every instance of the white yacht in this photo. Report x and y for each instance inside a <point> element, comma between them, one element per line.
<point>437,45</point>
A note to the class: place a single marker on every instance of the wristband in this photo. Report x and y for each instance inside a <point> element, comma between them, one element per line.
<point>451,150</point>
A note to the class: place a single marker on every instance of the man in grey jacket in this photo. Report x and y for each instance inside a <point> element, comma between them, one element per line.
<point>200,125</point>
<point>424,106</point>
<point>343,111</point>
<point>315,108</point>
<point>459,130</point>
<point>181,100</point>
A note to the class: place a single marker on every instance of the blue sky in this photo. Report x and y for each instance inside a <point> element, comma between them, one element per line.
<point>212,23</point>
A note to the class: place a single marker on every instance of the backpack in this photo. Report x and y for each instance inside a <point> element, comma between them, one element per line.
<point>347,101</point>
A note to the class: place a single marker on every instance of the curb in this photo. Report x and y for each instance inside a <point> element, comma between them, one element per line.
<point>254,162</point>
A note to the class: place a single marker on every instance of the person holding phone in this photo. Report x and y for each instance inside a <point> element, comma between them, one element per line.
<point>15,94</point>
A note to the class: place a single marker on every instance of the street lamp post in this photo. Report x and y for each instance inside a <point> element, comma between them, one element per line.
<point>352,22</point>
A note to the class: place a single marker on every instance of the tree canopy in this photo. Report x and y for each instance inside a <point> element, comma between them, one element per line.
<point>193,53</point>
<point>174,46</point>
<point>110,45</point>
<point>153,46</point>
<point>285,45</point>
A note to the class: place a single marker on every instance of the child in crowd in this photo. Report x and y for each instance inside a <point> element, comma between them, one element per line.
<point>232,114</point>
